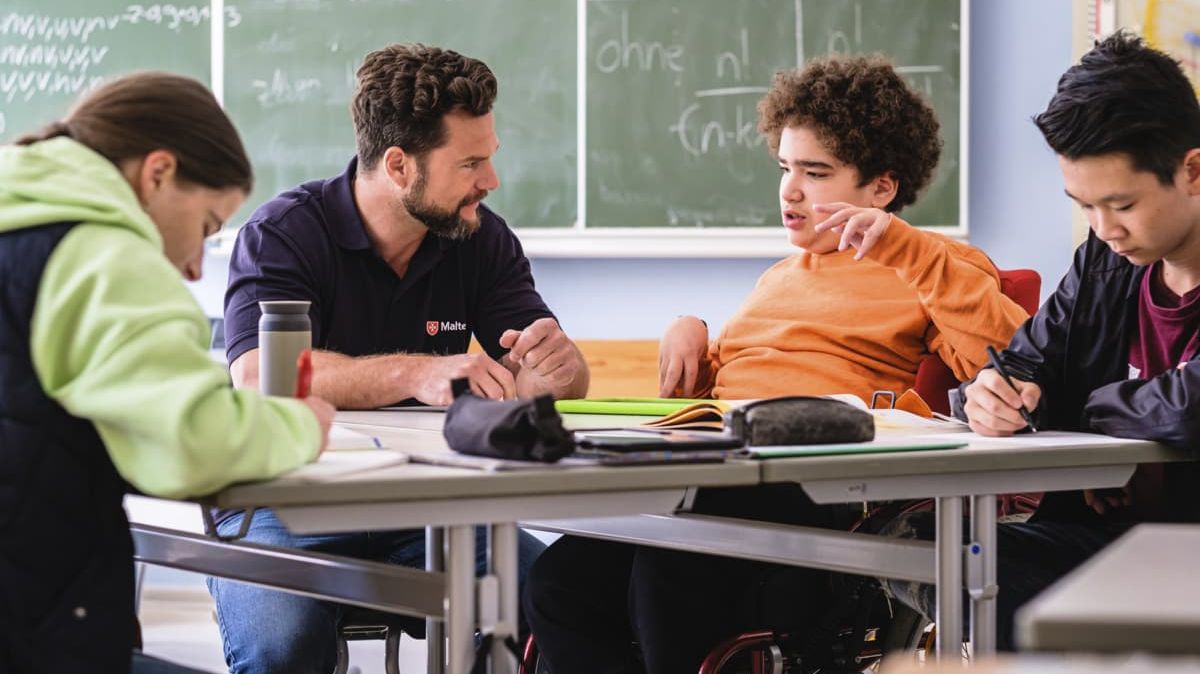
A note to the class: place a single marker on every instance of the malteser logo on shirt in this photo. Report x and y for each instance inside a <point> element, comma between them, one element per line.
<point>434,327</point>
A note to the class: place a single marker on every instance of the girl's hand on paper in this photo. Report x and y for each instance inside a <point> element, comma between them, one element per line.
<point>324,413</point>
<point>682,353</point>
<point>860,227</point>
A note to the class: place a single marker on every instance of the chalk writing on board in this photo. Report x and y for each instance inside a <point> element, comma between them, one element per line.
<point>63,56</point>
<point>282,89</point>
<point>172,17</point>
<point>621,53</point>
<point>840,42</point>
<point>25,84</point>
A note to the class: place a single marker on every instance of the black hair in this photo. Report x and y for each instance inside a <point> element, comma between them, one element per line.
<point>1124,97</point>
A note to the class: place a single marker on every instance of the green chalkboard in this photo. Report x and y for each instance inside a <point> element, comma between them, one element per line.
<point>666,120</point>
<point>290,74</point>
<point>52,50</point>
<point>672,87</point>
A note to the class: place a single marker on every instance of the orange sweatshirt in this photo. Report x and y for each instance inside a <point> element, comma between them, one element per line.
<point>819,324</point>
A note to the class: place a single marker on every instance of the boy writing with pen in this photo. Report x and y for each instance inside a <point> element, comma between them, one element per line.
<point>1114,348</point>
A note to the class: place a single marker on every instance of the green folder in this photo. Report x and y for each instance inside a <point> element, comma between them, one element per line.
<point>873,447</point>
<point>650,407</point>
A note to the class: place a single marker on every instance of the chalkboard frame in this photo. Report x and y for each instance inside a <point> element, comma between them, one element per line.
<point>579,241</point>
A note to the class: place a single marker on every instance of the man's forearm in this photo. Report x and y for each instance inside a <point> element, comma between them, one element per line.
<point>348,383</point>
<point>361,383</point>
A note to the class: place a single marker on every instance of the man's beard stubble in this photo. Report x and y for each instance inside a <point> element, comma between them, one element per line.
<point>444,223</point>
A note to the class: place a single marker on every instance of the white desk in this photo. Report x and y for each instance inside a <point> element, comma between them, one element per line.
<point>1141,593</point>
<point>620,504</point>
<point>418,495</point>
<point>984,468</point>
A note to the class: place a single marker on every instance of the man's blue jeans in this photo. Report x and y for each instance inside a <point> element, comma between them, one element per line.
<point>268,631</point>
<point>145,664</point>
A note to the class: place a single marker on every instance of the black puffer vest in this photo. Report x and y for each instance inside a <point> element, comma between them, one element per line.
<point>66,557</point>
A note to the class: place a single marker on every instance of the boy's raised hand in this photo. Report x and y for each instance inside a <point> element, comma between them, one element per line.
<point>680,353</point>
<point>860,227</point>
<point>993,407</point>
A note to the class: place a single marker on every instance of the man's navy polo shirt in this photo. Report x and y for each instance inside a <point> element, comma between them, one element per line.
<point>309,243</point>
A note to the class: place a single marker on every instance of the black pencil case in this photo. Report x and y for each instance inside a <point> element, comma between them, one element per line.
<point>525,430</point>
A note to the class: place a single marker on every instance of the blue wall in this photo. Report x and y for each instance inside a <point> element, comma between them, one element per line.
<point>1018,213</point>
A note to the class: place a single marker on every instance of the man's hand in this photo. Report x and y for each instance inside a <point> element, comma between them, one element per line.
<point>324,413</point>
<point>860,227</point>
<point>681,353</point>
<point>544,356</point>
<point>432,376</point>
<point>993,407</point>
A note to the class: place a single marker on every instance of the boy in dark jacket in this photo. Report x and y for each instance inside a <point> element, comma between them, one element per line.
<point>1114,350</point>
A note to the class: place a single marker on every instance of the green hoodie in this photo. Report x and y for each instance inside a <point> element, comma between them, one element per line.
<point>117,338</point>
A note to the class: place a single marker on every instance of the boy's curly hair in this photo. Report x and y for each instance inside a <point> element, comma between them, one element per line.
<point>865,114</point>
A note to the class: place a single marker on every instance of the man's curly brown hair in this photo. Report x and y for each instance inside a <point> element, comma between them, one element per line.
<point>403,92</point>
<point>864,113</point>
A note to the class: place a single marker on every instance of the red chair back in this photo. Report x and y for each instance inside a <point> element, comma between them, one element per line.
<point>935,379</point>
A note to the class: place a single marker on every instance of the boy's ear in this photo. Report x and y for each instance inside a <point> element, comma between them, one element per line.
<point>1191,167</point>
<point>884,189</point>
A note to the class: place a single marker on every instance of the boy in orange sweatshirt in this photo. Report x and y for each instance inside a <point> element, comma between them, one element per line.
<point>869,295</point>
<point>855,312</point>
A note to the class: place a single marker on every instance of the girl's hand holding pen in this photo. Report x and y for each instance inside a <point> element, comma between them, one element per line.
<point>993,407</point>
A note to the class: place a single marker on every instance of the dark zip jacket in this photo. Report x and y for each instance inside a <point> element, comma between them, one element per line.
<point>1077,349</point>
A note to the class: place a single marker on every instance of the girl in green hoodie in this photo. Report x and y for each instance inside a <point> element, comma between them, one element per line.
<point>105,379</point>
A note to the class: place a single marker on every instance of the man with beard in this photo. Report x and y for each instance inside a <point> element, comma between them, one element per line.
<point>402,263</point>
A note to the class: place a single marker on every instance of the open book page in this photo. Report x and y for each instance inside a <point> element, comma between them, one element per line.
<point>705,415</point>
<point>709,415</point>
<point>849,399</point>
<point>342,438</point>
<point>899,421</point>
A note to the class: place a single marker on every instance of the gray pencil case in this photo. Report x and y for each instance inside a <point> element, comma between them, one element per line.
<point>800,420</point>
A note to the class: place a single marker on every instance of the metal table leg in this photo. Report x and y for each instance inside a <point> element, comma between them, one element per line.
<point>435,637</point>
<point>949,574</point>
<point>460,588</point>
<point>504,565</point>
<point>983,594</point>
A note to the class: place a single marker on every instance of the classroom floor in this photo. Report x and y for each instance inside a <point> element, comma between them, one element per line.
<point>178,625</point>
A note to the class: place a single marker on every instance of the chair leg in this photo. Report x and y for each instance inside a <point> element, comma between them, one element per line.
<point>391,658</point>
<point>724,652</point>
<point>529,659</point>
<point>343,656</point>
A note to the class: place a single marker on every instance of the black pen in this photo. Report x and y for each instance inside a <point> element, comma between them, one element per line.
<point>995,358</point>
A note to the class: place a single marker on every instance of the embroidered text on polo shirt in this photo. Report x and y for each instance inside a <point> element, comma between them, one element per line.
<point>434,327</point>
